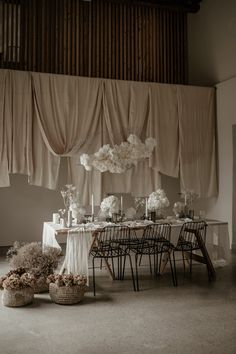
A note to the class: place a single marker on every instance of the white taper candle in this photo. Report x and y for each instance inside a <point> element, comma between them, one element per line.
<point>146,208</point>
<point>92,203</point>
<point>121,204</point>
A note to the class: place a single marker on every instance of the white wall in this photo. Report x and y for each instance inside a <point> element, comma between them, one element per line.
<point>212,42</point>
<point>23,208</point>
<point>212,61</point>
<point>226,117</point>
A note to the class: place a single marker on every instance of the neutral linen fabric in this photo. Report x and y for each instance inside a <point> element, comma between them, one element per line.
<point>46,116</point>
<point>4,172</point>
<point>18,118</point>
<point>67,115</point>
<point>197,133</point>
<point>49,238</point>
<point>77,251</point>
<point>163,123</point>
<point>16,122</point>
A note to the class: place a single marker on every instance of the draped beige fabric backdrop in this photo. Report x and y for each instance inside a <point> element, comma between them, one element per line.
<point>45,116</point>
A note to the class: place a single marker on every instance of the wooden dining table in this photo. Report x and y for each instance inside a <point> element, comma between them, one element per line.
<point>79,240</point>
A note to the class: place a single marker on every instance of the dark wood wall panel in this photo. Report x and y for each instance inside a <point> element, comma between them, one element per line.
<point>109,39</point>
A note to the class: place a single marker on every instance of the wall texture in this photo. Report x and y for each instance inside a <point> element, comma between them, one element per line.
<point>212,42</point>
<point>212,58</point>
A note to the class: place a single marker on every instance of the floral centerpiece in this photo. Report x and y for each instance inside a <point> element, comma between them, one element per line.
<point>110,205</point>
<point>140,203</point>
<point>38,262</point>
<point>189,197</point>
<point>17,286</point>
<point>157,201</point>
<point>121,157</point>
<point>72,203</point>
<point>67,289</point>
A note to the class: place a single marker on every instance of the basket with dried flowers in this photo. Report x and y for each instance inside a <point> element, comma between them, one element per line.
<point>37,261</point>
<point>18,288</point>
<point>67,289</point>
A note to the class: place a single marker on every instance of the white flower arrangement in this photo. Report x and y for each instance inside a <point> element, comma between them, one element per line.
<point>157,200</point>
<point>69,195</point>
<point>121,157</point>
<point>189,197</point>
<point>72,202</point>
<point>110,205</point>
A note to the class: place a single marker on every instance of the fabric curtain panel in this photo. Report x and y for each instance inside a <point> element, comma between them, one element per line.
<point>46,116</point>
<point>197,133</point>
<point>67,114</point>
<point>67,109</point>
<point>16,123</point>
<point>163,125</point>
<point>4,171</point>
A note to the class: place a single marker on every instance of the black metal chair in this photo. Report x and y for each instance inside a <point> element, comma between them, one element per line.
<point>155,242</point>
<point>112,243</point>
<point>192,237</point>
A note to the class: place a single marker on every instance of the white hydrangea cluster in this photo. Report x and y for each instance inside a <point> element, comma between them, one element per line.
<point>110,205</point>
<point>157,200</point>
<point>121,157</point>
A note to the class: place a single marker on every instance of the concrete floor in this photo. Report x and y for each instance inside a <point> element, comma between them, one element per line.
<point>196,317</point>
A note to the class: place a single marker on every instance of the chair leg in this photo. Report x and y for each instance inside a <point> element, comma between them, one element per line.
<point>172,271</point>
<point>157,263</point>
<point>159,266</point>
<point>94,290</point>
<point>140,259</point>
<point>118,267</point>
<point>175,272</point>
<point>150,262</point>
<point>132,272</point>
<point>123,270</point>
<point>183,259</point>
<point>113,268</point>
<point>136,269</point>
<point>191,262</point>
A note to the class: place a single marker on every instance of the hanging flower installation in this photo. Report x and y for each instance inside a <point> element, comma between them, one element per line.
<point>119,158</point>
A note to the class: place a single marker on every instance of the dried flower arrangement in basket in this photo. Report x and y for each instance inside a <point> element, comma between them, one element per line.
<point>18,287</point>
<point>36,261</point>
<point>67,289</point>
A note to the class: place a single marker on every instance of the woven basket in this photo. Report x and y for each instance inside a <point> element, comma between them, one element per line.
<point>19,297</point>
<point>66,295</point>
<point>41,286</point>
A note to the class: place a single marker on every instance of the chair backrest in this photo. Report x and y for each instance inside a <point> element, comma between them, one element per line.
<point>157,232</point>
<point>189,231</point>
<point>113,233</point>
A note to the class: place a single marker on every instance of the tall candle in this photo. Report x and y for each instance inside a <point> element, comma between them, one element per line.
<point>121,205</point>
<point>185,199</point>
<point>146,208</point>
<point>92,202</point>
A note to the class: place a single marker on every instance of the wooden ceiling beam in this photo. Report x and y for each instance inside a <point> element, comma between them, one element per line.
<point>183,5</point>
